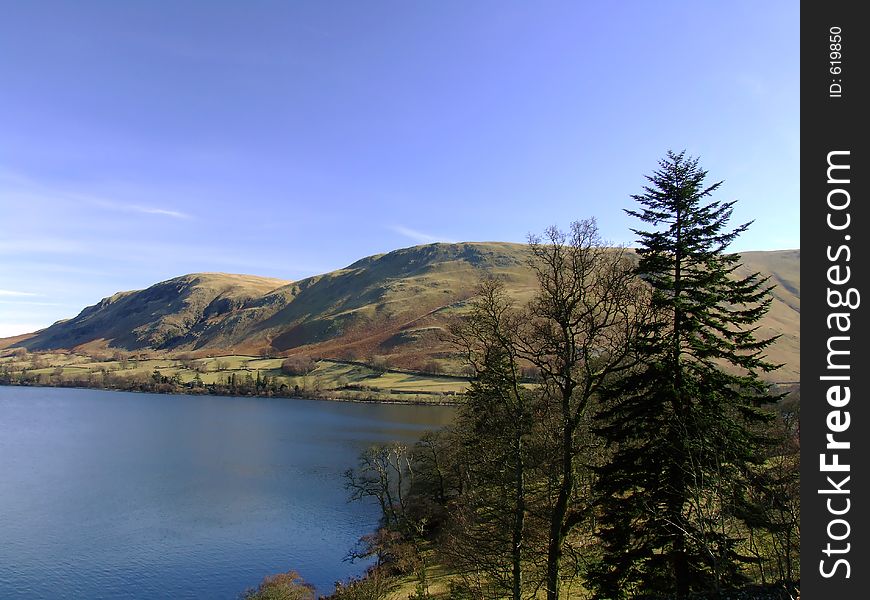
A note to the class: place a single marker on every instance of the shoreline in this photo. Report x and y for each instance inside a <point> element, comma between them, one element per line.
<point>188,392</point>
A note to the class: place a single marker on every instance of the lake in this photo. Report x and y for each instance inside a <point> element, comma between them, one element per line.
<point>122,495</point>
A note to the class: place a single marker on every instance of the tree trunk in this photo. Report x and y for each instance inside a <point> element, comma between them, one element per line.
<point>681,567</point>
<point>519,520</point>
<point>557,519</point>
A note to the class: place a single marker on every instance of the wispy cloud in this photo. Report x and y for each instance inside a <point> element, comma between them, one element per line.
<point>27,190</point>
<point>160,211</point>
<point>31,303</point>
<point>138,208</point>
<point>16,293</point>
<point>41,245</point>
<point>114,254</point>
<point>419,236</point>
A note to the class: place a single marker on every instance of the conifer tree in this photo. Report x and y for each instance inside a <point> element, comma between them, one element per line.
<point>684,427</point>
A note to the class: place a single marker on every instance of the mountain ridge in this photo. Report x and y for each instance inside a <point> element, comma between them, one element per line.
<point>393,305</point>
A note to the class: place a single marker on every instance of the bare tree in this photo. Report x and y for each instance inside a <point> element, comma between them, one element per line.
<point>574,336</point>
<point>496,417</point>
<point>578,334</point>
<point>385,472</point>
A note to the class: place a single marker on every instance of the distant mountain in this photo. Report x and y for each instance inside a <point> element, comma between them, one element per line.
<point>394,305</point>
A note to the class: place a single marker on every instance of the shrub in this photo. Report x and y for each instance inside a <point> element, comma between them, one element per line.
<point>283,586</point>
<point>298,365</point>
<point>379,363</point>
<point>374,585</point>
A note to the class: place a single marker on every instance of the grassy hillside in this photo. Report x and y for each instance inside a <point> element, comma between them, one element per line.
<point>168,315</point>
<point>784,317</point>
<point>393,307</point>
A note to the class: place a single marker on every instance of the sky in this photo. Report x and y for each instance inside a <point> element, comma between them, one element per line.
<point>140,140</point>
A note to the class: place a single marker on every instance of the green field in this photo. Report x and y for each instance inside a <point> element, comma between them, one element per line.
<point>331,379</point>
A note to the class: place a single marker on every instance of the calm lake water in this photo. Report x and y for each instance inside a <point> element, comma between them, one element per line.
<point>121,495</point>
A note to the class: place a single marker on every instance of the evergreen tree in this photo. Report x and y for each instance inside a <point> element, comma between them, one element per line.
<point>684,427</point>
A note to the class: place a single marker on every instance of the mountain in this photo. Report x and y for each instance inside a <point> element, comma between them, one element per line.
<point>167,315</point>
<point>393,305</point>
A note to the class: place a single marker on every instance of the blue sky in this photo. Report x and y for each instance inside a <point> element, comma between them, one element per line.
<point>144,140</point>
